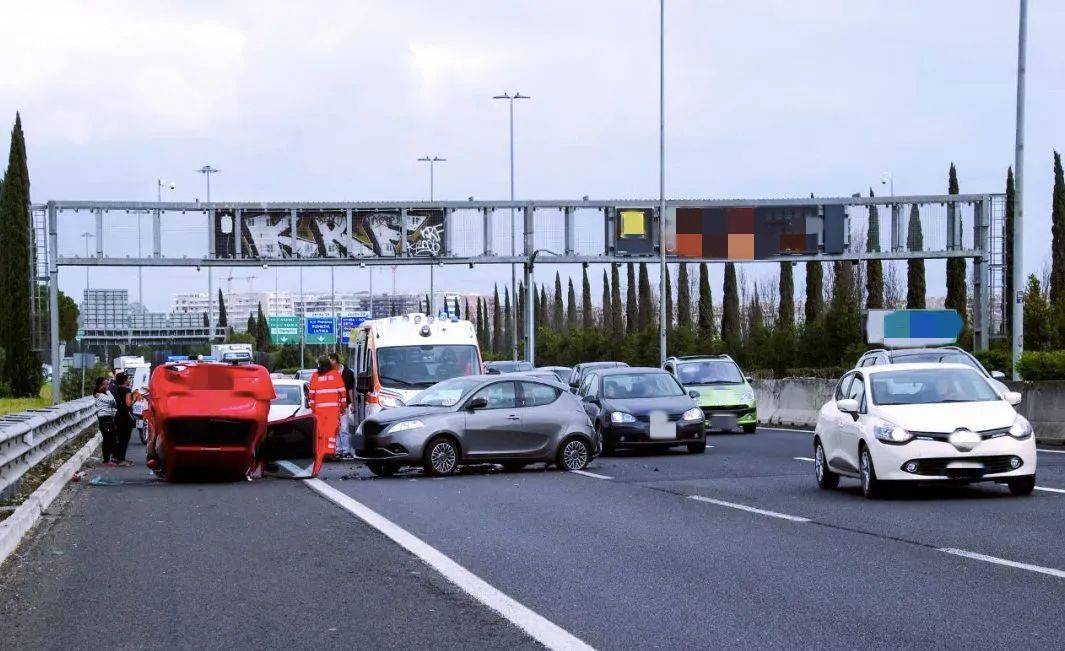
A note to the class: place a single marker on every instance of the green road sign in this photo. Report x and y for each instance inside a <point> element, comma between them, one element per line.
<point>284,329</point>
<point>80,335</point>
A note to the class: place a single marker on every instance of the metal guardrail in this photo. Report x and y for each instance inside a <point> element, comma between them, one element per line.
<point>27,437</point>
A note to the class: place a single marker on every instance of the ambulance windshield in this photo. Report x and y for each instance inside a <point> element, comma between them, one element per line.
<point>419,367</point>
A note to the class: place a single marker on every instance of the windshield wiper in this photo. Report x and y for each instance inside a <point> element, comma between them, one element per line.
<point>386,378</point>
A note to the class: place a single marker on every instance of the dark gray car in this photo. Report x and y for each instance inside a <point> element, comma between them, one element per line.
<point>514,420</point>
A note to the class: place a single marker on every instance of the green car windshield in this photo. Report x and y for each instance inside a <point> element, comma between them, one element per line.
<point>709,371</point>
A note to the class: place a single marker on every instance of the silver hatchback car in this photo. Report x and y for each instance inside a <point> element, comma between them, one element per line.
<point>512,419</point>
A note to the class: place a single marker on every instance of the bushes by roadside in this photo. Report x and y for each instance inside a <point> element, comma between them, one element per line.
<point>1042,365</point>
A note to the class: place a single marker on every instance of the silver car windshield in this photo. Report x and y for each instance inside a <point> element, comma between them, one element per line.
<point>717,371</point>
<point>445,394</point>
<point>930,386</point>
<point>640,385</point>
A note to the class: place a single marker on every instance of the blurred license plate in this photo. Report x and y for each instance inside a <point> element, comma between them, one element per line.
<point>965,465</point>
<point>722,421</point>
<point>661,428</point>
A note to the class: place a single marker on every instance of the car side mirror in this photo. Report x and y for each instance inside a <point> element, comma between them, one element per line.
<point>1013,397</point>
<point>590,399</point>
<point>362,383</point>
<point>848,406</point>
<point>693,394</point>
<point>748,378</point>
<point>477,403</point>
<point>998,375</point>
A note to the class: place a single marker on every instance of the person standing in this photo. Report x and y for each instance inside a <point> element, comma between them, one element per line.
<point>328,399</point>
<point>123,417</point>
<point>105,419</point>
<point>346,420</point>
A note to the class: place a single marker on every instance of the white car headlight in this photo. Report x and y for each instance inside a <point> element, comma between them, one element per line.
<point>621,417</point>
<point>389,401</point>
<point>693,414</point>
<point>404,425</point>
<point>890,433</point>
<point>1021,428</point>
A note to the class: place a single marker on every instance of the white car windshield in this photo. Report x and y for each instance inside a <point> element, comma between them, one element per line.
<point>287,394</point>
<point>640,385</point>
<point>419,367</point>
<point>445,394</point>
<point>930,386</point>
<point>935,356</point>
<point>717,371</point>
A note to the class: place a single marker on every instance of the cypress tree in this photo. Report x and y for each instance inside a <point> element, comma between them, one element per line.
<point>874,270</point>
<point>223,321</point>
<point>757,333</point>
<point>842,320</point>
<point>706,304</point>
<point>608,322</point>
<point>915,286</point>
<point>466,312</point>
<point>1037,316</point>
<point>508,333</point>
<point>545,316</point>
<point>262,330</point>
<point>571,307</point>
<point>206,321</point>
<point>482,325</point>
<point>587,320</point>
<point>730,309</point>
<point>519,306</point>
<point>684,298</point>
<point>253,326</point>
<point>786,308</point>
<point>1007,257</point>
<point>1057,256</point>
<point>669,300</point>
<point>21,370</point>
<point>497,322</point>
<point>558,314</point>
<point>617,317</point>
<point>631,308</point>
<point>645,310</point>
<point>815,292</point>
<point>957,291</point>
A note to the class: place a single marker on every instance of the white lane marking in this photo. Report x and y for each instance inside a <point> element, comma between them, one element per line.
<point>542,630</point>
<point>590,474</point>
<point>1050,490</point>
<point>751,509</point>
<point>787,429</point>
<point>802,458</point>
<point>1050,451</point>
<point>1002,561</point>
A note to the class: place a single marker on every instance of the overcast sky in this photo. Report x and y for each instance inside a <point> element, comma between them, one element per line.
<point>321,101</point>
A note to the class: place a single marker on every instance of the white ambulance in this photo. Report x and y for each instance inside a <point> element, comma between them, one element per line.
<point>397,357</point>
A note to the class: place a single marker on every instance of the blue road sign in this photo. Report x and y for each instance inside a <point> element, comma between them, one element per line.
<point>321,330</point>
<point>349,323</point>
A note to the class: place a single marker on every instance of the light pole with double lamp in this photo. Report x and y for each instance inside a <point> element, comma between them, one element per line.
<point>81,347</point>
<point>207,171</point>
<point>513,249</point>
<point>433,160</point>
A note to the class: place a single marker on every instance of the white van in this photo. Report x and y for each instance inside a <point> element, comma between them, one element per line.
<point>397,357</point>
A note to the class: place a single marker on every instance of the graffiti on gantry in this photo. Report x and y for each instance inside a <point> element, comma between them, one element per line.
<point>324,234</point>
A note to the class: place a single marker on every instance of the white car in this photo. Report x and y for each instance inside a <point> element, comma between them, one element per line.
<point>291,399</point>
<point>922,423</point>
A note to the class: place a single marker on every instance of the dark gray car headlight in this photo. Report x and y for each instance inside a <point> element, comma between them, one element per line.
<point>404,425</point>
<point>622,417</point>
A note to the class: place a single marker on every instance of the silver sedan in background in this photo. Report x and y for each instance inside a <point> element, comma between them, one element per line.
<point>513,420</point>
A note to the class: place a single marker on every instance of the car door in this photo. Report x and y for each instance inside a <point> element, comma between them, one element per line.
<point>291,448</point>
<point>541,419</point>
<point>488,428</point>
<point>590,388</point>
<point>832,421</point>
<point>850,428</point>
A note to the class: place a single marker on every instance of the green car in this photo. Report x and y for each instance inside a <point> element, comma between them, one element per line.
<point>725,394</point>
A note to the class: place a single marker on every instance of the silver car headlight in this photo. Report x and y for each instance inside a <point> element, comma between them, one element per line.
<point>1021,428</point>
<point>891,434</point>
<point>404,425</point>
<point>621,417</point>
<point>692,414</point>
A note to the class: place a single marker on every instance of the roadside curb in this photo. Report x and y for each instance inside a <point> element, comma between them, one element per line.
<point>26,516</point>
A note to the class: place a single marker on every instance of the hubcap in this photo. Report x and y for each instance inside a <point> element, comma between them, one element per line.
<point>865,471</point>
<point>819,460</point>
<point>575,455</point>
<point>443,457</point>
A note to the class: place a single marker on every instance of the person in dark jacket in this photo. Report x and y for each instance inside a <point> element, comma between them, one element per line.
<point>105,419</point>
<point>123,417</point>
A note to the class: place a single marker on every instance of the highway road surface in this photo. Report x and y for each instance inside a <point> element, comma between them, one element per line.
<point>734,547</point>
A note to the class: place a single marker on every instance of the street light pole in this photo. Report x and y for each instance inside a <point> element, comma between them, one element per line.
<point>88,236</point>
<point>513,249</point>
<point>662,316</point>
<point>432,161</point>
<point>159,183</point>
<point>1017,345</point>
<point>207,171</point>
<point>888,178</point>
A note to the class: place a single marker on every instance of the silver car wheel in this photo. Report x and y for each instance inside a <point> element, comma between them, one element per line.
<point>443,457</point>
<point>864,463</point>
<point>819,464</point>
<point>575,455</point>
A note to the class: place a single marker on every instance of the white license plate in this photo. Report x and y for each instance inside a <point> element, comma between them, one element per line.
<point>661,428</point>
<point>965,465</point>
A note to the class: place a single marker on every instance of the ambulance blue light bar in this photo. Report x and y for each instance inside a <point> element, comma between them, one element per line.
<point>913,328</point>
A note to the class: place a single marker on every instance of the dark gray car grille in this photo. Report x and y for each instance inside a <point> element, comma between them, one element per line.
<point>646,418</point>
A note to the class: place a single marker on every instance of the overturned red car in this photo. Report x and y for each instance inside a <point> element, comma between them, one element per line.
<point>209,418</point>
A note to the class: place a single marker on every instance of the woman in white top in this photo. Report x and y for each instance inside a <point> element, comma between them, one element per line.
<point>105,418</point>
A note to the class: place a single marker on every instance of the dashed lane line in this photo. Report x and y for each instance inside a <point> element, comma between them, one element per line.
<point>802,458</point>
<point>541,629</point>
<point>590,474</point>
<point>1006,562</point>
<point>1050,451</point>
<point>1049,490</point>
<point>749,509</point>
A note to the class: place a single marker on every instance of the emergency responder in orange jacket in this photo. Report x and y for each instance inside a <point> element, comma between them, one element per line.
<point>328,399</point>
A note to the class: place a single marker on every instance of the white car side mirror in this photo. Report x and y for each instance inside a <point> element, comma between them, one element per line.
<point>998,375</point>
<point>1013,397</point>
<point>847,405</point>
